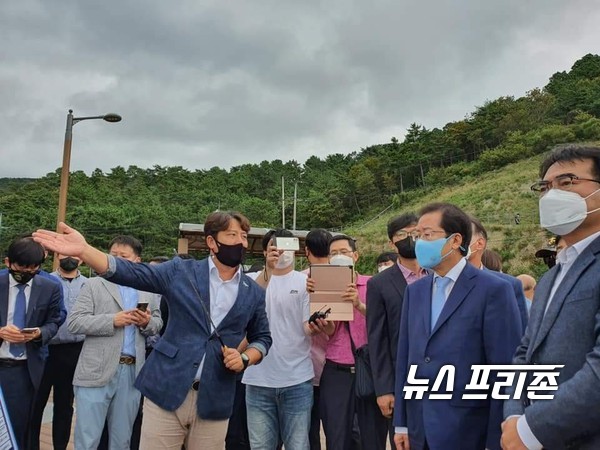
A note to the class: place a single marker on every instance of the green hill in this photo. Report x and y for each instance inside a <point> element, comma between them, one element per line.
<point>483,162</point>
<point>495,198</point>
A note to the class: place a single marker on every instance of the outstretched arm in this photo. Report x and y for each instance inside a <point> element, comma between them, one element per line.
<point>68,241</point>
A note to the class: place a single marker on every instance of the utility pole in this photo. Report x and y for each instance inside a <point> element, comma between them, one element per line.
<point>282,203</point>
<point>295,201</point>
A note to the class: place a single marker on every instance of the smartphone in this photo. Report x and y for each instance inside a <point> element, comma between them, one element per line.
<point>29,330</point>
<point>286,243</point>
<point>142,306</point>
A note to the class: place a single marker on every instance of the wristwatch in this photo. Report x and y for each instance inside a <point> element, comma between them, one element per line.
<point>245,360</point>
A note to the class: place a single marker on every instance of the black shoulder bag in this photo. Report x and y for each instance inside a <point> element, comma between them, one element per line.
<point>363,381</point>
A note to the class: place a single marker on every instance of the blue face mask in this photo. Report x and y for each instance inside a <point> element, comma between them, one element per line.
<point>429,253</point>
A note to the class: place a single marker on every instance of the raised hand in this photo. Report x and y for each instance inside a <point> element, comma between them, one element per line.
<point>68,241</point>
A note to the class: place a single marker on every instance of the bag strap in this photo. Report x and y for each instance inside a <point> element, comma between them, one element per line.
<point>347,324</point>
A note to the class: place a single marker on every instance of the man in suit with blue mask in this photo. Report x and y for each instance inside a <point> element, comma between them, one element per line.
<point>460,316</point>
<point>564,320</point>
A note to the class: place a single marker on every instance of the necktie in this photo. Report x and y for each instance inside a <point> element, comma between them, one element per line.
<point>439,298</point>
<point>19,319</point>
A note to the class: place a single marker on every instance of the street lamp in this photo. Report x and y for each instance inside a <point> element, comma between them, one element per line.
<point>64,174</point>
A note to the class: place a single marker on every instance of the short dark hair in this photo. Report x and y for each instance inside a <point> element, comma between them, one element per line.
<point>220,220</point>
<point>572,152</point>
<point>317,242</point>
<point>454,220</point>
<point>479,228</point>
<point>159,259</point>
<point>386,256</point>
<point>491,260</point>
<point>130,241</point>
<point>279,232</point>
<point>344,237</point>
<point>24,251</point>
<point>397,223</point>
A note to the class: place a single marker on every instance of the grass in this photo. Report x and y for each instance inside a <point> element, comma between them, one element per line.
<point>495,198</point>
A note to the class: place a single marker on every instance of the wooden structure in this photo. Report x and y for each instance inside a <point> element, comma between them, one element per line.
<point>191,239</point>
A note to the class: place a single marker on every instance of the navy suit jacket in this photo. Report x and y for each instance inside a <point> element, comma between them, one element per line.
<point>43,311</point>
<point>169,372</point>
<point>566,332</point>
<point>479,324</point>
<point>519,294</point>
<point>385,294</point>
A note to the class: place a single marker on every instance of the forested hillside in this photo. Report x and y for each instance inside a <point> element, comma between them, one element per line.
<point>338,191</point>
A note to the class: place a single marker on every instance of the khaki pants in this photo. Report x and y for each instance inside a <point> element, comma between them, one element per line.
<point>163,429</point>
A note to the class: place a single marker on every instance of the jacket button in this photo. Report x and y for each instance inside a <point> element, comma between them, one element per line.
<point>196,365</point>
<point>427,359</point>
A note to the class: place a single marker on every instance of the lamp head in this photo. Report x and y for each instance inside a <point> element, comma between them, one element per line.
<point>112,117</point>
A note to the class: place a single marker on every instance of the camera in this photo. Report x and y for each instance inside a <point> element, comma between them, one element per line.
<point>320,314</point>
<point>286,243</point>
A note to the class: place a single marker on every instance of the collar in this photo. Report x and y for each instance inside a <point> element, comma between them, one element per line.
<point>59,275</point>
<point>213,271</point>
<point>13,283</point>
<point>455,272</point>
<point>568,255</point>
<point>407,272</point>
<point>361,280</point>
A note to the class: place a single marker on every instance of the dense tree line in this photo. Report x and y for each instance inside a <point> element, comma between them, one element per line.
<point>333,191</point>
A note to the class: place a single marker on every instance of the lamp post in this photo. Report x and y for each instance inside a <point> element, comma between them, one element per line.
<point>64,174</point>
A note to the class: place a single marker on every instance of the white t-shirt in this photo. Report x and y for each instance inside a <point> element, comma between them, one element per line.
<point>288,362</point>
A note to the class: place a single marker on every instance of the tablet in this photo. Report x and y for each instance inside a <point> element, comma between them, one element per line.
<point>330,283</point>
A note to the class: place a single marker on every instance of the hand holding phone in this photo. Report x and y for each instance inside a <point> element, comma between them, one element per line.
<point>29,330</point>
<point>30,334</point>
<point>142,306</point>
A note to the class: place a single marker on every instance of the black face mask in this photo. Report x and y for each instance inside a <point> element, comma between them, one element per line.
<point>230,255</point>
<point>406,248</point>
<point>68,264</point>
<point>23,277</point>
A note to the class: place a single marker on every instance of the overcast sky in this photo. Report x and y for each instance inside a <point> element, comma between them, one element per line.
<point>224,83</point>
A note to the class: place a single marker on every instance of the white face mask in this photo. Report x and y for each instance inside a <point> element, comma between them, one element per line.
<point>341,260</point>
<point>470,252</point>
<point>561,212</point>
<point>286,259</point>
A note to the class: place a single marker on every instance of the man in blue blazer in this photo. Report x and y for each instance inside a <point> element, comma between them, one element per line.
<point>456,316</point>
<point>189,378</point>
<point>565,314</point>
<point>27,301</point>
<point>475,251</point>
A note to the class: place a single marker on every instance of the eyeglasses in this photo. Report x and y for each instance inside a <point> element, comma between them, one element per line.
<point>428,235</point>
<point>403,234</point>
<point>343,252</point>
<point>564,182</point>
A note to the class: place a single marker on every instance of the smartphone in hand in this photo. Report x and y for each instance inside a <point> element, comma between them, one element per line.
<point>142,306</point>
<point>29,330</point>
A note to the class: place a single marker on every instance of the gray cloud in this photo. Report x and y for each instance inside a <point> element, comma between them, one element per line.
<point>227,83</point>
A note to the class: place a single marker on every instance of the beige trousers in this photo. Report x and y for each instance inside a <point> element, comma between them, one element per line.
<point>163,429</point>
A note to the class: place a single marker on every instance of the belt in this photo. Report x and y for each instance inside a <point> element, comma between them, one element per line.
<point>342,367</point>
<point>7,362</point>
<point>127,360</point>
<point>196,385</point>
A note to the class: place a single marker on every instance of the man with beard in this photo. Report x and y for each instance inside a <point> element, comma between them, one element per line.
<point>385,293</point>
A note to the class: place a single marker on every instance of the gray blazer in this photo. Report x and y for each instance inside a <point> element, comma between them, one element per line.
<point>568,334</point>
<point>96,305</point>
